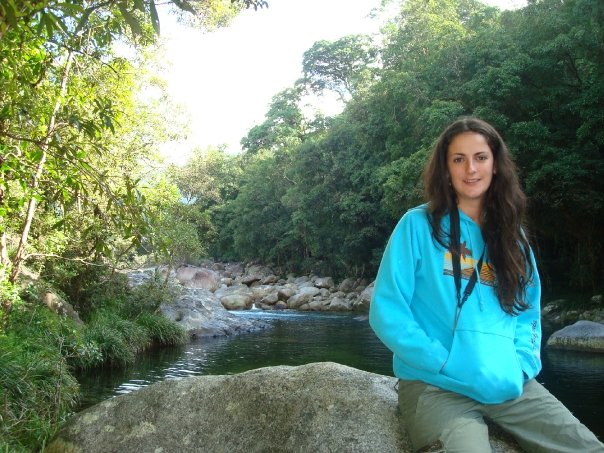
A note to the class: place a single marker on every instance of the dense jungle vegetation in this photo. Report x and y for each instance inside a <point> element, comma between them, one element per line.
<point>324,193</point>
<point>82,192</point>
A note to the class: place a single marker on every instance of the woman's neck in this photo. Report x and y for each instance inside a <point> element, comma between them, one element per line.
<point>472,210</point>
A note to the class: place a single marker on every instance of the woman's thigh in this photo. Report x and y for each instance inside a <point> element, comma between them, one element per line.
<point>437,418</point>
<point>543,424</point>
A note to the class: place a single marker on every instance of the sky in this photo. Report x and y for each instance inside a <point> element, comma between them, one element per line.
<point>225,79</point>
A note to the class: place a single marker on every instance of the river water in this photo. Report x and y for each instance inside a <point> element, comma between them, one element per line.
<point>297,338</point>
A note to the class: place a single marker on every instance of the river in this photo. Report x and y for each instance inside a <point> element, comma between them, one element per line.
<point>297,338</point>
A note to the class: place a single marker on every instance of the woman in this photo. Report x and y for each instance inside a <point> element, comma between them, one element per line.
<point>456,300</point>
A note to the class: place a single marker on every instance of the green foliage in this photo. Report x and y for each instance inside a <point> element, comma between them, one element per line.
<point>119,340</point>
<point>36,389</point>
<point>284,127</point>
<point>88,288</point>
<point>402,185</point>
<point>147,297</point>
<point>258,203</point>
<point>326,200</point>
<point>173,237</point>
<point>161,330</point>
<point>344,66</point>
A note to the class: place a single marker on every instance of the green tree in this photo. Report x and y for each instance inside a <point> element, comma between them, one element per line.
<point>343,66</point>
<point>285,125</point>
<point>57,113</point>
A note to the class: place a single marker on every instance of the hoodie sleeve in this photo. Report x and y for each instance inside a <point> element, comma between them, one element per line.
<point>528,328</point>
<point>390,314</point>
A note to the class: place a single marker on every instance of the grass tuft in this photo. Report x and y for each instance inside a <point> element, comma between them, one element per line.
<point>162,330</point>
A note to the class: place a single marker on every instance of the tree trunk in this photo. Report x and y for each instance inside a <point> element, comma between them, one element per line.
<point>3,252</point>
<point>32,204</point>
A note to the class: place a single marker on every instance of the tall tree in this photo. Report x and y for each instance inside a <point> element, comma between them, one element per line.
<point>343,66</point>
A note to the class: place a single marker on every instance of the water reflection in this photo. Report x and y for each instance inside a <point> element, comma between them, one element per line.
<point>577,379</point>
<point>297,338</point>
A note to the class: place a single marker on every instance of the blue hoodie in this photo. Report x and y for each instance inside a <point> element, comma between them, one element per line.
<point>486,354</point>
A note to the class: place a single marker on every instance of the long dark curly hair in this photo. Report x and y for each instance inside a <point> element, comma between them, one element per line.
<point>502,217</point>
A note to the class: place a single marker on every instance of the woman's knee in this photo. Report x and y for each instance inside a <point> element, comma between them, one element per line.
<point>438,420</point>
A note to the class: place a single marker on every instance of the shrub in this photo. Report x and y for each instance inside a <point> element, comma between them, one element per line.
<point>36,390</point>
<point>162,330</point>
<point>147,297</point>
<point>118,339</point>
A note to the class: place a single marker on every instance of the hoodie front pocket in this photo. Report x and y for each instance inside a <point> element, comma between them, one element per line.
<point>486,363</point>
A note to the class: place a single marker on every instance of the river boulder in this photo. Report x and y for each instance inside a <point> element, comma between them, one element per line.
<point>320,407</point>
<point>580,336</point>
<point>324,282</point>
<point>303,296</point>
<point>202,314</point>
<point>198,277</point>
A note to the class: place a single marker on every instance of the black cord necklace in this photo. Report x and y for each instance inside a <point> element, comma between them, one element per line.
<point>455,249</point>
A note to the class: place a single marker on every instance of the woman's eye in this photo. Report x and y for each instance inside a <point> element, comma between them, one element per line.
<point>482,157</point>
<point>457,160</point>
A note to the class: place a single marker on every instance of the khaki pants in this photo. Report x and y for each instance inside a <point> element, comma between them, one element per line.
<point>538,421</point>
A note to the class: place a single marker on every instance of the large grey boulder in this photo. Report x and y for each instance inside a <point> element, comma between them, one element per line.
<point>201,313</point>
<point>324,282</point>
<point>303,296</point>
<point>236,302</point>
<point>580,336</point>
<point>198,277</point>
<point>320,407</point>
<point>60,306</point>
<point>364,301</point>
<point>236,297</point>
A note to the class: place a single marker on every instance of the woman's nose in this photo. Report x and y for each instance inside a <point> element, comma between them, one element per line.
<point>471,166</point>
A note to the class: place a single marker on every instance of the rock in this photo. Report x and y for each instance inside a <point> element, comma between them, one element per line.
<point>286,292</point>
<point>305,284</point>
<point>259,269</point>
<point>347,285</point>
<point>316,305</point>
<point>270,299</point>
<point>581,336</point>
<point>236,302</point>
<point>324,282</point>
<point>198,277</point>
<point>226,281</point>
<point>140,276</point>
<point>61,307</point>
<point>261,291</point>
<point>249,279</point>
<point>232,270</point>
<point>303,296</point>
<point>270,279</point>
<point>256,273</point>
<point>234,289</point>
<point>201,313</point>
<point>338,304</point>
<point>319,407</point>
<point>364,300</point>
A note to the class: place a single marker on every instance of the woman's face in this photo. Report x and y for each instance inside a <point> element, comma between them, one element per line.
<point>471,167</point>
